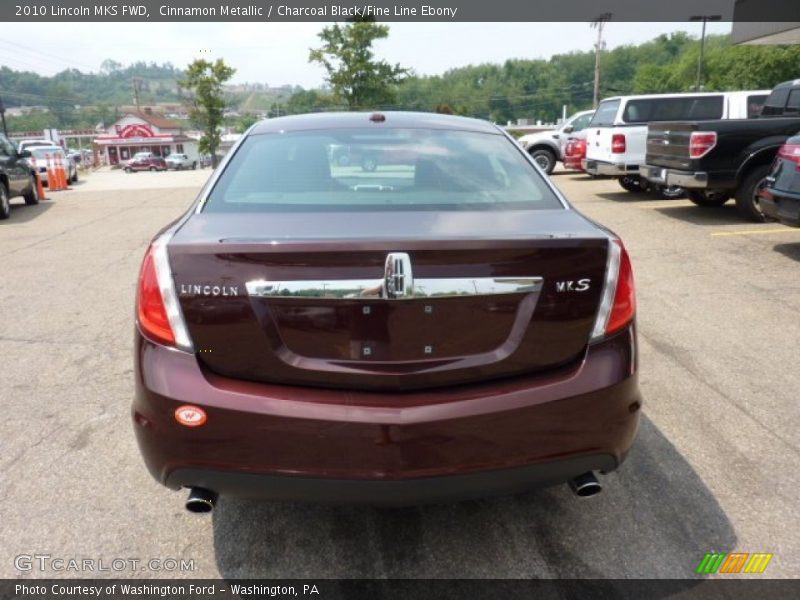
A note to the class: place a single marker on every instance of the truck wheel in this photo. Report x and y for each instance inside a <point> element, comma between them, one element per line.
<point>708,198</point>
<point>545,159</point>
<point>32,196</point>
<point>5,203</point>
<point>632,183</point>
<point>747,201</point>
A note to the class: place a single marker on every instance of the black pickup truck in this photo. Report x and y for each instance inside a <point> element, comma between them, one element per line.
<point>714,160</point>
<point>17,177</point>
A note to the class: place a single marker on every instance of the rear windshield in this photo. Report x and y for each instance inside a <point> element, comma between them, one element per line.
<point>754,105</point>
<point>776,102</point>
<point>694,108</point>
<point>379,169</point>
<point>606,114</point>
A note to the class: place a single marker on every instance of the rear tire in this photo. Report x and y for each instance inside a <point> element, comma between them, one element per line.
<point>5,202</point>
<point>545,158</point>
<point>75,177</point>
<point>708,199</point>
<point>194,166</point>
<point>32,196</point>
<point>152,169</point>
<point>747,194</point>
<point>633,183</point>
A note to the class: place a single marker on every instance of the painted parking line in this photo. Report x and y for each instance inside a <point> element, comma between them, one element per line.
<point>757,231</point>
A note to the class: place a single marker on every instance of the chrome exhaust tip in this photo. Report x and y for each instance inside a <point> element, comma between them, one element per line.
<point>201,500</point>
<point>585,485</point>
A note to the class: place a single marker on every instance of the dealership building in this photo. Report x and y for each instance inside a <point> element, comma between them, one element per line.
<point>143,132</point>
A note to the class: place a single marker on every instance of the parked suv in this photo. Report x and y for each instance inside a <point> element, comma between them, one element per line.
<point>145,161</point>
<point>17,177</point>
<point>41,155</point>
<point>718,159</point>
<point>780,198</point>
<point>69,158</point>
<point>617,135</point>
<point>547,147</point>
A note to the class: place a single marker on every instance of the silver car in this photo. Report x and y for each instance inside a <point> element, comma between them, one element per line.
<point>180,161</point>
<point>40,156</point>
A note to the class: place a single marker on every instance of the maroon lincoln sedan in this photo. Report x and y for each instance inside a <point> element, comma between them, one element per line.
<point>438,328</point>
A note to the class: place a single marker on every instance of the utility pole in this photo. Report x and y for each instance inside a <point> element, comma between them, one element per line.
<point>3,117</point>
<point>598,23</point>
<point>705,19</point>
<point>135,82</point>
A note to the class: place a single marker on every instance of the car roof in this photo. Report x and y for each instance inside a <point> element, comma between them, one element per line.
<point>683,95</point>
<point>393,120</point>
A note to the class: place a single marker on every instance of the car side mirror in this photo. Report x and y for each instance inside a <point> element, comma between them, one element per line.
<point>568,129</point>
<point>24,154</point>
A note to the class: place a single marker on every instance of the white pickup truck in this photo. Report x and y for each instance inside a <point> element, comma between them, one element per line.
<point>616,139</point>
<point>547,147</point>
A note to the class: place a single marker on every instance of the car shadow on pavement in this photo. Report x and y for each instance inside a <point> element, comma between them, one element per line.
<point>624,196</point>
<point>22,213</point>
<point>705,216</point>
<point>654,519</point>
<point>789,250</point>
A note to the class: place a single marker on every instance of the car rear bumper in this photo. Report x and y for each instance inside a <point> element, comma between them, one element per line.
<point>781,206</point>
<point>599,167</point>
<point>293,443</point>
<point>386,492</point>
<point>686,179</point>
<point>657,175</point>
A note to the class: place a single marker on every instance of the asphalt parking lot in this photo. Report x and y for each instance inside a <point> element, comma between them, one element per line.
<point>714,467</point>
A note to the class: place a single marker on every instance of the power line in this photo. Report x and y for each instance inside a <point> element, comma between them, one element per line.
<point>51,57</point>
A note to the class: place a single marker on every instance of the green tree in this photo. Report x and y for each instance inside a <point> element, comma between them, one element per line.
<point>204,81</point>
<point>355,75</point>
<point>309,101</point>
<point>243,123</point>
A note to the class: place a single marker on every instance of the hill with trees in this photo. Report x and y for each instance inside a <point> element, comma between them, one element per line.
<point>517,88</point>
<point>537,89</point>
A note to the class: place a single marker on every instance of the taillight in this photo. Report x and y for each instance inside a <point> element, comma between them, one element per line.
<point>157,310</point>
<point>618,303</point>
<point>618,145</point>
<point>790,152</point>
<point>701,143</point>
<point>624,307</point>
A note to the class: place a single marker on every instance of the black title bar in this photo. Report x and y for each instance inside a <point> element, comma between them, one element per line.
<point>397,10</point>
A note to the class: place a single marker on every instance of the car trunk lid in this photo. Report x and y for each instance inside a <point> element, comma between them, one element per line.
<point>316,309</point>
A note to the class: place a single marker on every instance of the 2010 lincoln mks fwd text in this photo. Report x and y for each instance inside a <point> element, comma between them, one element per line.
<point>440,325</point>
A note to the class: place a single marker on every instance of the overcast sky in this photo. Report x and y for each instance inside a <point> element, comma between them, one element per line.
<point>277,54</point>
